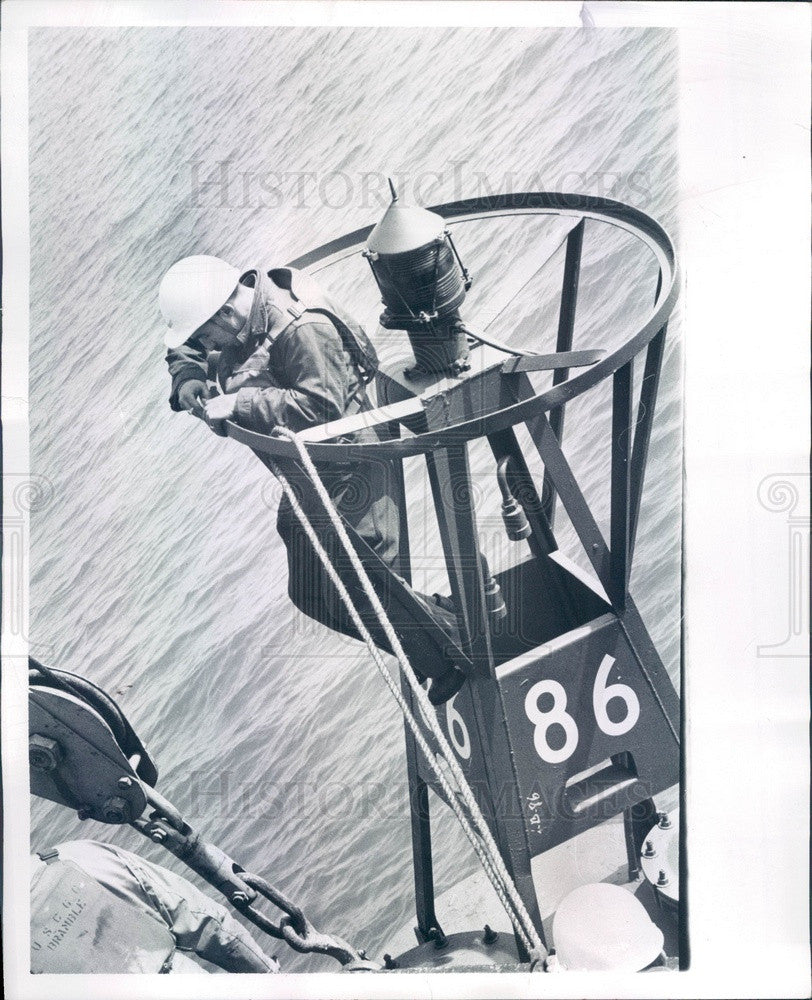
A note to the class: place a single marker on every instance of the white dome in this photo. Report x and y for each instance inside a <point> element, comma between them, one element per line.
<point>405,228</point>
<point>604,928</point>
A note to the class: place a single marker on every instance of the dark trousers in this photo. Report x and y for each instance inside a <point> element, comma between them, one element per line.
<point>314,594</point>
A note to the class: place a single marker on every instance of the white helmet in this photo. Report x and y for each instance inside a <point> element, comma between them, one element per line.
<point>191,292</point>
<point>604,928</point>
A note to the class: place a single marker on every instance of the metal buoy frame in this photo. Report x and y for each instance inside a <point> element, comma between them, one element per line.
<point>599,630</point>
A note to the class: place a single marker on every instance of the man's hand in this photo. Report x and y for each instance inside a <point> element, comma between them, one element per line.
<point>191,396</point>
<point>219,409</point>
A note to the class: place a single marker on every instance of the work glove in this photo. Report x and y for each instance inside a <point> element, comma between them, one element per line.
<point>217,410</point>
<point>191,396</point>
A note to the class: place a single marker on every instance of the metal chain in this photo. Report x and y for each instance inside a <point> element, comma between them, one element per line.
<point>241,888</point>
<point>294,928</point>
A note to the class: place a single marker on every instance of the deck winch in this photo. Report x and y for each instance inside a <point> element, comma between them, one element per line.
<point>84,754</point>
<point>423,282</point>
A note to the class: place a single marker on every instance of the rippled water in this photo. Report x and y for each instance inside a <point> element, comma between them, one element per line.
<point>155,567</point>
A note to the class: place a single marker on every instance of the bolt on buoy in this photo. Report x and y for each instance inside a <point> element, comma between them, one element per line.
<point>648,850</point>
<point>490,934</point>
<point>663,821</point>
<point>440,940</point>
<point>662,878</point>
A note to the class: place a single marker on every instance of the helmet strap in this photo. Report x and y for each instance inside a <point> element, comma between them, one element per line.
<point>255,325</point>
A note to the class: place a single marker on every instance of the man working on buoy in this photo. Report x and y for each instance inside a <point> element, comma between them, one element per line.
<point>286,356</point>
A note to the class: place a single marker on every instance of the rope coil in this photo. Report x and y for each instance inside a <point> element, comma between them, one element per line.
<point>475,828</point>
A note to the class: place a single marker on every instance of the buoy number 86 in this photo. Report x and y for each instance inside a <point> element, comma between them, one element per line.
<point>602,694</point>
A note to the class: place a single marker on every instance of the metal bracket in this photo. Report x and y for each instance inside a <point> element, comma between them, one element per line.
<point>76,761</point>
<point>550,362</point>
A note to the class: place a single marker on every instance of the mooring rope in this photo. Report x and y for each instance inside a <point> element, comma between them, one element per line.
<point>477,833</point>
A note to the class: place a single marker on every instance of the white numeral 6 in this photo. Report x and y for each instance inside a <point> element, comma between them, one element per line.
<point>456,723</point>
<point>603,693</point>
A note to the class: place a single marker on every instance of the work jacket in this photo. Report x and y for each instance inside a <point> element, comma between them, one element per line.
<point>297,366</point>
<point>98,908</point>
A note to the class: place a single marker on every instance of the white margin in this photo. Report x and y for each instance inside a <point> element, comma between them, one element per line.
<point>744,240</point>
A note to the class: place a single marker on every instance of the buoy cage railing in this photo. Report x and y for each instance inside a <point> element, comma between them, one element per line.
<point>609,773</point>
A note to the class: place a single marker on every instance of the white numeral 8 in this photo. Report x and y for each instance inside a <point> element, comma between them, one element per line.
<point>543,720</point>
